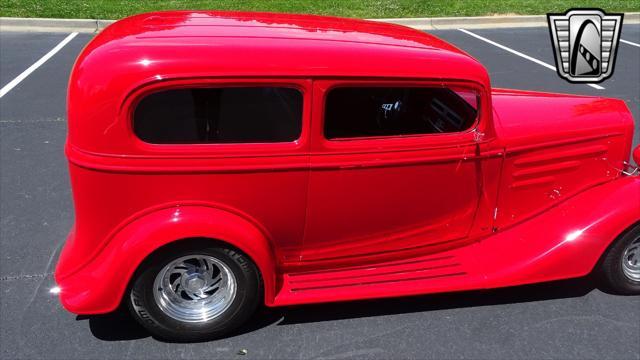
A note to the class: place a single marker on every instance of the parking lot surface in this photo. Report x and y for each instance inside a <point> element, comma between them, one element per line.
<point>564,320</point>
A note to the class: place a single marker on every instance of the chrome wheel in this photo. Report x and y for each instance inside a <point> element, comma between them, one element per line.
<point>631,260</point>
<point>195,288</point>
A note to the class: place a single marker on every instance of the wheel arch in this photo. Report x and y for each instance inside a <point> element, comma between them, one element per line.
<point>613,242</point>
<point>110,272</point>
<point>544,248</point>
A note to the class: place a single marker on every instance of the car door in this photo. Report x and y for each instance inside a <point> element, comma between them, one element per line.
<point>393,169</point>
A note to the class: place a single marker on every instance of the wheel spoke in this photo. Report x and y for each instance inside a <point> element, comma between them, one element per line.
<point>178,271</point>
<point>209,272</point>
<point>175,284</point>
<point>214,284</point>
<point>202,265</point>
<point>187,266</point>
<point>190,288</point>
<point>191,295</point>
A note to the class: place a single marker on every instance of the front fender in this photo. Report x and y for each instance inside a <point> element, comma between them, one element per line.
<point>99,286</point>
<point>564,242</point>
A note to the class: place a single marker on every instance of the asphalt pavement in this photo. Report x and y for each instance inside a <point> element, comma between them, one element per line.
<point>562,320</point>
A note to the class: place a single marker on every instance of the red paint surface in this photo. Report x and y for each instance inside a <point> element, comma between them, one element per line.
<point>532,193</point>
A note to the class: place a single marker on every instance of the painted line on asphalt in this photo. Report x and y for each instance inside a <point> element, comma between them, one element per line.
<point>515,52</point>
<point>630,43</point>
<point>5,89</point>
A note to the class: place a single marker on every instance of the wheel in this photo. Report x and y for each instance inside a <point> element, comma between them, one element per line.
<point>620,268</point>
<point>195,294</point>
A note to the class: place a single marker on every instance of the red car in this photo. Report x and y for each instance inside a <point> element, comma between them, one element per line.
<point>224,160</point>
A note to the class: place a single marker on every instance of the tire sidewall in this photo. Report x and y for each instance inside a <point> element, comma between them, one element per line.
<point>143,305</point>
<point>612,268</point>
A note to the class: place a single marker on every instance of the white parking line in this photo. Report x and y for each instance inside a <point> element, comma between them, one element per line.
<point>5,89</point>
<point>539,62</point>
<point>630,43</point>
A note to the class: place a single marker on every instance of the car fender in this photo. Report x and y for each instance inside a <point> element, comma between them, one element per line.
<point>99,286</point>
<point>565,241</point>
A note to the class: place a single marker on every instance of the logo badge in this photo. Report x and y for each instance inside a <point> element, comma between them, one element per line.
<point>585,43</point>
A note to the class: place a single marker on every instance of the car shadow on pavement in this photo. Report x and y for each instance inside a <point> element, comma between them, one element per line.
<point>114,326</point>
<point>119,325</point>
<point>434,302</point>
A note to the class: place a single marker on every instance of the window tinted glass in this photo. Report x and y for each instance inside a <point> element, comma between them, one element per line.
<point>378,111</point>
<point>220,115</point>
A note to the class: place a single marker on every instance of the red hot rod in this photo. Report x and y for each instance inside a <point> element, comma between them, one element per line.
<point>220,161</point>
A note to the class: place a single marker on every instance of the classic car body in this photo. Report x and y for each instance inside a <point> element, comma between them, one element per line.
<point>533,191</point>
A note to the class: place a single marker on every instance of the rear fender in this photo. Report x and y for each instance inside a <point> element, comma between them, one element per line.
<point>99,286</point>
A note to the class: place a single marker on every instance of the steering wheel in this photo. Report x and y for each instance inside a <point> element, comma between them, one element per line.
<point>389,113</point>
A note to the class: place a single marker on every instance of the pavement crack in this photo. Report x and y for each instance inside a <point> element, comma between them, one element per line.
<point>10,121</point>
<point>585,317</point>
<point>24,276</point>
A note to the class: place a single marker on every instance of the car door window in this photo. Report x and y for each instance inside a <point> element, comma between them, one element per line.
<point>353,112</point>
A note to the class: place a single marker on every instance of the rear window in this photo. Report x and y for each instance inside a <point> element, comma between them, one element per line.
<point>391,111</point>
<point>220,115</point>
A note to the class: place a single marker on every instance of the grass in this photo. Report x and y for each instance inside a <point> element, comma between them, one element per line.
<point>115,9</point>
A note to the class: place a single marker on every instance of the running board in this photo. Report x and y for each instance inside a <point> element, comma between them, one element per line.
<point>447,271</point>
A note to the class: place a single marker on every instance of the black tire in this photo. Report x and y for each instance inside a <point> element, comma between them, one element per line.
<point>145,309</point>
<point>611,269</point>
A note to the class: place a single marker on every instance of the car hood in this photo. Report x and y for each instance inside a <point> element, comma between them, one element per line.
<point>556,146</point>
<point>528,118</point>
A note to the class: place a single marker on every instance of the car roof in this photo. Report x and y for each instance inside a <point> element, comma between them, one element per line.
<point>250,43</point>
<point>155,48</point>
<point>184,26</point>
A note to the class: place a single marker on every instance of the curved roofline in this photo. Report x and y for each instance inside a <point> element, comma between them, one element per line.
<point>184,24</point>
<point>155,47</point>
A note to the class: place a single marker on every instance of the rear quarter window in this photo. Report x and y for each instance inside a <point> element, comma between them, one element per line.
<point>219,115</point>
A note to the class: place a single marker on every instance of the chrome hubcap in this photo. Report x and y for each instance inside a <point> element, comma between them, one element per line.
<point>195,288</point>
<point>631,260</point>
